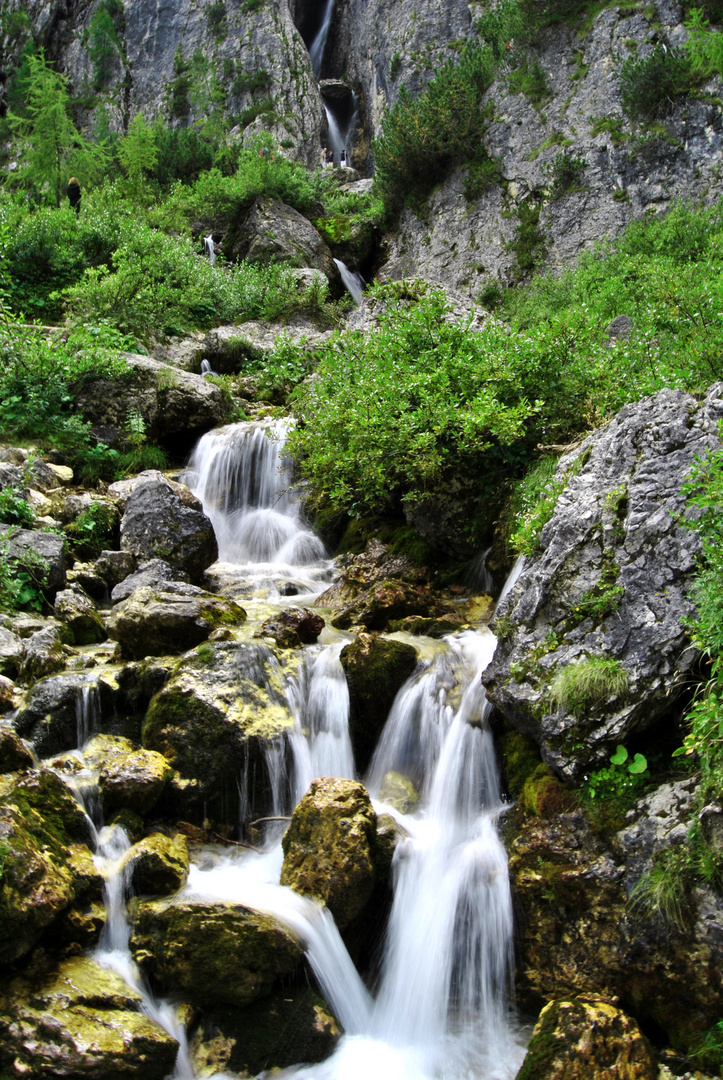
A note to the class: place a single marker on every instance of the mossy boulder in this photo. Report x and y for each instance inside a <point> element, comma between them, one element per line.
<point>158,864</point>
<point>74,608</point>
<point>330,848</point>
<point>80,1019</point>
<point>292,627</point>
<point>46,867</point>
<point>218,710</point>
<point>383,603</point>
<point>130,778</point>
<point>282,1029</point>
<point>587,1036</point>
<point>49,716</point>
<point>14,754</point>
<point>170,618</point>
<point>211,953</point>
<point>375,669</point>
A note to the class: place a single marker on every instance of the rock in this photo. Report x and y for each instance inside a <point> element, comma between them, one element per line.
<point>114,566</point>
<point>398,791</point>
<point>329,848</point>
<point>84,576</point>
<point>177,406</point>
<point>431,627</point>
<point>40,554</point>
<point>292,627</point>
<point>158,523</point>
<point>63,473</point>
<point>10,695</point>
<point>80,1019</point>
<point>620,327</point>
<point>14,754</point>
<point>229,348</point>
<point>214,718</point>
<point>389,600</point>
<point>169,619</point>
<point>43,654</point>
<point>52,714</point>
<point>129,778</point>
<point>274,232</point>
<point>358,572</point>
<point>212,953</point>
<point>610,581</point>
<point>375,670</point>
<point>587,1036</point>
<point>280,1030</point>
<point>11,653</point>
<point>44,870</point>
<point>157,865</point>
<point>140,680</point>
<point>153,573</point>
<point>76,610</point>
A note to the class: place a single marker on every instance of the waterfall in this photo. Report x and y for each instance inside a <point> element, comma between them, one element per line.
<point>210,248</point>
<point>87,713</point>
<point>245,483</point>
<point>353,282</point>
<point>206,368</point>
<point>317,46</point>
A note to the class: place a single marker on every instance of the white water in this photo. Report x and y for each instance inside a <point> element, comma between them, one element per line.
<point>210,248</point>
<point>206,368</point>
<point>87,713</point>
<point>353,282</point>
<point>340,133</point>
<point>316,49</point>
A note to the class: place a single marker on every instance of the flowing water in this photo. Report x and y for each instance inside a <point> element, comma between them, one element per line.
<point>354,283</point>
<point>317,46</point>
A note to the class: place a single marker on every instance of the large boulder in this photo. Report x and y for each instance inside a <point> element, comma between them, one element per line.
<point>11,653</point>
<point>285,1027</point>
<point>330,848</point>
<point>169,619</point>
<point>157,865</point>
<point>74,608</point>
<point>292,627</point>
<point>46,866</point>
<point>584,1037</point>
<point>43,654</point>
<point>39,554</point>
<point>151,574</point>
<point>382,603</point>
<point>212,953</point>
<point>375,669</point>
<point>159,522</point>
<point>80,1019</point>
<point>14,754</point>
<point>129,778</point>
<point>177,406</point>
<point>275,232</point>
<point>608,589</point>
<point>213,720</point>
<point>52,716</point>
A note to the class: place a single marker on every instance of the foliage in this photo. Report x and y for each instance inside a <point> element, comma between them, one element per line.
<point>649,85</point>
<point>587,684</point>
<point>532,503</point>
<point>21,582</point>
<point>529,243</point>
<point>216,19</point>
<point>662,890</point>
<point>704,46</point>
<point>50,145</point>
<point>104,43</point>
<point>599,601</point>
<point>608,793</point>
<point>14,509</point>
<point>282,369</point>
<point>94,529</point>
<point>530,79</point>
<point>611,125</point>
<point>566,174</point>
<point>138,153</point>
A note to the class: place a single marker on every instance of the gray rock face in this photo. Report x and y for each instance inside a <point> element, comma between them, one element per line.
<point>44,654</point>
<point>41,554</point>
<point>177,406</point>
<point>158,523</point>
<point>274,232</point>
<point>151,574</point>
<point>611,581</point>
<point>168,619</point>
<point>11,653</point>
<point>226,346</point>
<point>51,716</point>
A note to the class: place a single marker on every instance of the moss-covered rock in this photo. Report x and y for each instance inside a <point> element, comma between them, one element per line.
<point>129,778</point>
<point>169,619</point>
<point>212,953</point>
<point>80,1019</point>
<point>398,791</point>
<point>587,1036</point>
<point>284,1028</point>
<point>330,847</point>
<point>158,864</point>
<point>74,608</point>
<point>217,711</point>
<point>381,604</point>
<point>375,669</point>
<point>292,627</point>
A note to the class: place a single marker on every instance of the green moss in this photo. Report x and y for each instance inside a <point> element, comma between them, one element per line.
<point>543,795</point>
<point>588,684</point>
<point>519,758</point>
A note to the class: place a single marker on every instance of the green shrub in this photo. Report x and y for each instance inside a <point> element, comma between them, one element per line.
<point>14,509</point>
<point>216,19</point>
<point>704,47</point>
<point>529,243</point>
<point>587,684</point>
<point>530,79</point>
<point>21,585</point>
<point>94,530</point>
<point>566,174</point>
<point>649,86</point>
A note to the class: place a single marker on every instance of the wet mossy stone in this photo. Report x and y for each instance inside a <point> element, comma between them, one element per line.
<point>330,848</point>
<point>384,602</point>
<point>74,608</point>
<point>285,1028</point>
<point>158,864</point>
<point>14,754</point>
<point>375,669</point>
<point>49,716</point>
<point>211,953</point>
<point>80,1020</point>
<point>130,777</point>
<point>162,521</point>
<point>584,1037</point>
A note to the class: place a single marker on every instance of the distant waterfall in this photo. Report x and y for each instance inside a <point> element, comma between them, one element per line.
<point>317,46</point>
<point>353,282</point>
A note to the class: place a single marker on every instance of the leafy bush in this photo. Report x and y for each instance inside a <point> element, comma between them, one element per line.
<point>21,585</point>
<point>650,85</point>
<point>94,529</point>
<point>530,79</point>
<point>566,173</point>
<point>587,684</point>
<point>14,509</point>
<point>704,47</point>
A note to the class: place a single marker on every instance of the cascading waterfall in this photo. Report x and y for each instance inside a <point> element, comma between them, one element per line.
<point>317,46</point>
<point>353,282</point>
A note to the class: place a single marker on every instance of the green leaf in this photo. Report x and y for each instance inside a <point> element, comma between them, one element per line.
<point>638,765</point>
<point>620,756</point>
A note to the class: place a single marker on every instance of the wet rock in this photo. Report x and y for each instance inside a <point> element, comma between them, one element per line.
<point>382,603</point>
<point>329,848</point>
<point>434,628</point>
<point>84,576</point>
<point>587,1036</point>
<point>129,777</point>
<point>153,573</point>
<point>80,1019</point>
<point>159,523</point>
<point>398,791</point>
<point>158,865</point>
<point>177,406</point>
<point>357,573</point>
<point>14,754</point>
<point>51,716</point>
<point>10,695</point>
<point>375,670</point>
<point>211,953</point>
<point>74,608</point>
<point>43,654</point>
<point>40,554</point>
<point>274,232</point>
<point>284,1028</point>
<point>44,871</point>
<point>292,628</point>
<point>114,566</point>
<point>170,618</point>
<point>11,653</point>
<point>610,581</point>
<point>222,705</point>
<point>138,681</point>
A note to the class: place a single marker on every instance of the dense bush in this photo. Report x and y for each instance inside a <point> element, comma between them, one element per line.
<point>650,85</point>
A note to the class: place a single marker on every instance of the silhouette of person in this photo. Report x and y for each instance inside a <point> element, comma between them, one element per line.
<point>74,194</point>
<point>342,162</point>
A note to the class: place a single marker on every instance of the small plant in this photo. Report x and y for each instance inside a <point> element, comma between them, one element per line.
<point>216,19</point>
<point>599,601</point>
<point>608,793</point>
<point>14,510</point>
<point>481,176</point>
<point>621,195</point>
<point>530,79</point>
<point>662,891</point>
<point>566,174</point>
<point>587,684</point>
<point>611,125</point>
<point>21,580</point>
<point>650,86</point>
<point>395,65</point>
<point>94,529</point>
<point>490,296</point>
